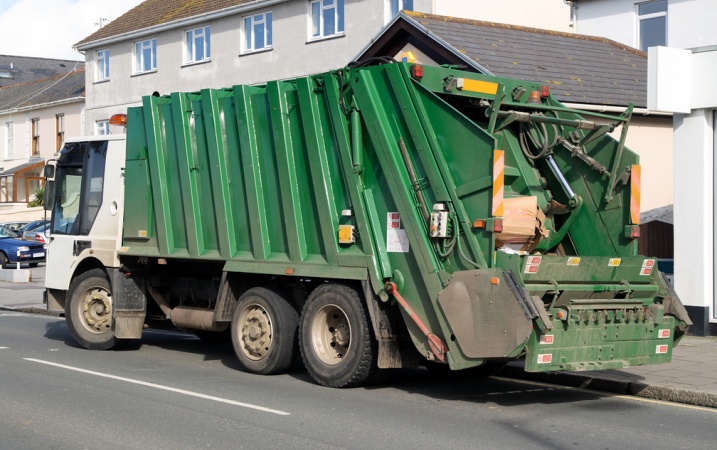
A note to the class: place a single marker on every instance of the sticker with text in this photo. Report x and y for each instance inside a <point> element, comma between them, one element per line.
<point>545,358</point>
<point>663,334</point>
<point>661,349</point>
<point>547,339</point>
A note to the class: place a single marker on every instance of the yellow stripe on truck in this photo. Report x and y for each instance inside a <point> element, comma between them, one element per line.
<point>498,182</point>
<point>481,87</point>
<point>635,194</point>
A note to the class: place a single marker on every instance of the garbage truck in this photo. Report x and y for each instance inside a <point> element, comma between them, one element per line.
<point>378,216</point>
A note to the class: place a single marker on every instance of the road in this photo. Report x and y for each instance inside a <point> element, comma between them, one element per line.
<point>175,391</point>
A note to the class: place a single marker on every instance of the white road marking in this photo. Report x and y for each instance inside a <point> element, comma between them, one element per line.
<point>159,386</point>
<point>4,348</point>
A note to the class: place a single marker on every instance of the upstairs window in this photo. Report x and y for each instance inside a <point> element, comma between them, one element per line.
<point>652,24</point>
<point>9,140</point>
<point>60,128</point>
<point>257,32</point>
<point>103,65</point>
<point>145,53</point>
<point>198,45</point>
<point>327,18</point>
<point>35,137</point>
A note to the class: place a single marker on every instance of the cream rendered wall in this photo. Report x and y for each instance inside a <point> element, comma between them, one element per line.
<point>23,129</point>
<point>546,14</point>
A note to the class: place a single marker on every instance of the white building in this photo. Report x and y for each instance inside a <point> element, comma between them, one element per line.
<point>680,81</point>
<point>177,45</point>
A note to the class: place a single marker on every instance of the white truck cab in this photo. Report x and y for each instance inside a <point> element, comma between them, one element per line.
<point>85,194</point>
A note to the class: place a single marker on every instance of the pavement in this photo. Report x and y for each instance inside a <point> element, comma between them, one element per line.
<point>690,378</point>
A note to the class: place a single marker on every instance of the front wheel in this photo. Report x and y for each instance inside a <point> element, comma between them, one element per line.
<point>88,311</point>
<point>3,261</point>
<point>336,343</point>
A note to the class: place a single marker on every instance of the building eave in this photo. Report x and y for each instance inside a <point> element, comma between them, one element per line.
<point>64,101</point>
<point>177,24</point>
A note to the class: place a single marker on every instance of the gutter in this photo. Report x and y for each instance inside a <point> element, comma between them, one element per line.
<point>256,4</point>
<point>64,101</point>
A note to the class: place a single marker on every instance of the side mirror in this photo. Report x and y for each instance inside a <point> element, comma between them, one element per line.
<point>48,195</point>
<point>49,171</point>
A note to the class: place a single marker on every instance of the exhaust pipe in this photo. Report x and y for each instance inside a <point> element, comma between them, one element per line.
<point>187,316</point>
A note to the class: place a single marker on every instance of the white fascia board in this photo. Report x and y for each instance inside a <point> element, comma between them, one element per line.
<point>233,10</point>
<point>43,105</point>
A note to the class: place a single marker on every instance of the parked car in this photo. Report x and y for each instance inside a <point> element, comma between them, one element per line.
<point>29,252</point>
<point>39,234</point>
<point>32,225</point>
<point>15,225</point>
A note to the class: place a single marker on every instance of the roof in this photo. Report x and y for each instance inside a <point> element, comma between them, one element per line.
<point>663,214</point>
<point>17,170</point>
<point>578,68</point>
<point>47,90</point>
<point>151,13</point>
<point>22,69</point>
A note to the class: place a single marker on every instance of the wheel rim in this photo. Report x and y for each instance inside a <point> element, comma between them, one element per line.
<point>95,310</point>
<point>256,332</point>
<point>331,334</point>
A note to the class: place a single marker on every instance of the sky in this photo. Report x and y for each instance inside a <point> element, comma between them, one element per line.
<point>49,28</point>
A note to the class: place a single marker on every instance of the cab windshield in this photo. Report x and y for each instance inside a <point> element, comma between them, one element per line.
<point>79,187</point>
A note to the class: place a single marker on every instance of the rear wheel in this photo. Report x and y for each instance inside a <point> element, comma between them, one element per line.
<point>88,311</point>
<point>336,343</point>
<point>263,330</point>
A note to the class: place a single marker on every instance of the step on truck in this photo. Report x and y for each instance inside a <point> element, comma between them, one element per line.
<point>372,217</point>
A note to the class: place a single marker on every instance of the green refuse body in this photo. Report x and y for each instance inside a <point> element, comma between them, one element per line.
<point>461,218</point>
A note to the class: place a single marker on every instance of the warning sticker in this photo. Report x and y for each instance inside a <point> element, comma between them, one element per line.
<point>534,260</point>
<point>614,262</point>
<point>663,334</point>
<point>396,237</point>
<point>545,358</point>
<point>531,264</point>
<point>647,267</point>
<point>574,261</point>
<point>547,339</point>
<point>661,349</point>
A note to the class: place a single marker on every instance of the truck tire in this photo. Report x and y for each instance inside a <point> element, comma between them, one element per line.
<point>264,332</point>
<point>88,311</point>
<point>335,339</point>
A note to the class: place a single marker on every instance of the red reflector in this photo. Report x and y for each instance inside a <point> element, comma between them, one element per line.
<point>544,90</point>
<point>498,225</point>
<point>635,232</point>
<point>417,71</point>
<point>119,119</point>
<point>480,223</point>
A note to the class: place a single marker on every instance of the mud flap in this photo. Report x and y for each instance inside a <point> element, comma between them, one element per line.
<point>129,304</point>
<point>486,316</point>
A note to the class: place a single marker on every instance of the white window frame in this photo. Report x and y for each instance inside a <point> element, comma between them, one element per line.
<point>640,18</point>
<point>139,62</point>
<point>394,6</point>
<point>249,24</point>
<point>103,65</point>
<point>195,38</point>
<point>102,127</point>
<point>9,140</point>
<point>318,22</point>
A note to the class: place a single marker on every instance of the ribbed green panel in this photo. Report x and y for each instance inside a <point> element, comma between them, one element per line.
<point>257,229</point>
<point>193,206</point>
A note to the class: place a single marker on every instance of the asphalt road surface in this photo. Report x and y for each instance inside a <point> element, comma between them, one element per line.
<point>177,392</point>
